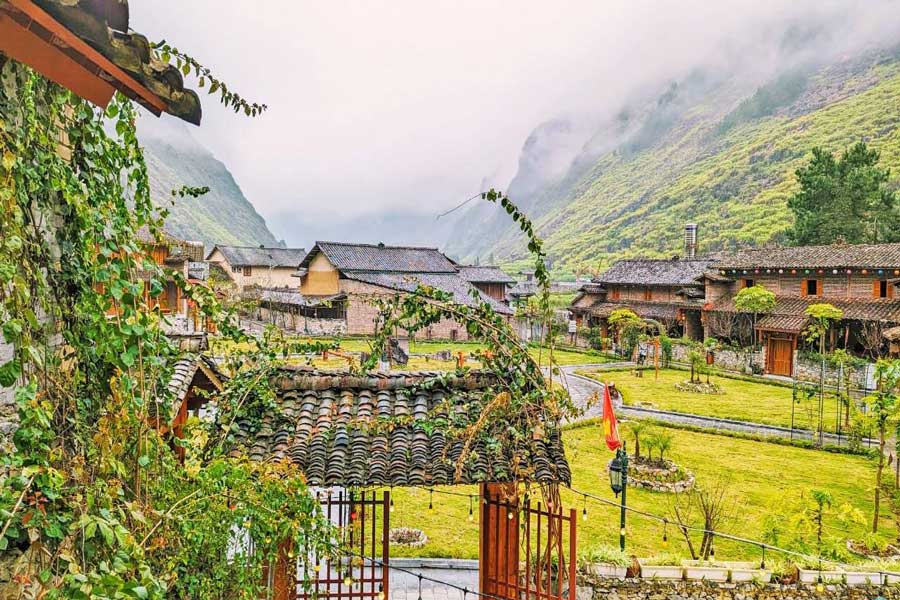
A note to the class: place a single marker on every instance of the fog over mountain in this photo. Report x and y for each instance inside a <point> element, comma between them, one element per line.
<point>383,115</point>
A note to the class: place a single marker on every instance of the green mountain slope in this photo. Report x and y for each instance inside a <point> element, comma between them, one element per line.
<point>224,215</point>
<point>705,151</point>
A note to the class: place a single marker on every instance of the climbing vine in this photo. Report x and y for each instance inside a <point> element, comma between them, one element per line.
<point>93,502</point>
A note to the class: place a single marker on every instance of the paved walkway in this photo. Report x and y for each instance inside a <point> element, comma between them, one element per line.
<point>405,586</point>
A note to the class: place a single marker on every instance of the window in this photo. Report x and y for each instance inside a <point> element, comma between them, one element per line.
<point>235,268</point>
<point>811,287</point>
<point>614,293</point>
<point>747,283</point>
<point>882,288</point>
<point>648,294</point>
<point>453,335</point>
<point>248,271</point>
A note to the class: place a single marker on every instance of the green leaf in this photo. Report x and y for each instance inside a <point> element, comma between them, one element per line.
<point>144,460</point>
<point>106,531</point>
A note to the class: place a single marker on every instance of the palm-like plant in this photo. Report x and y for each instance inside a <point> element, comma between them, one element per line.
<point>638,429</point>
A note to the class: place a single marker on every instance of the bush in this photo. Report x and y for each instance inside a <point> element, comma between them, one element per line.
<point>604,554</point>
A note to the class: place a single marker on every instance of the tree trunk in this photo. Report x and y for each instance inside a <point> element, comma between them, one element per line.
<point>878,478</point>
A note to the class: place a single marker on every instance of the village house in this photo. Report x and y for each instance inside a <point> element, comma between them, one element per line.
<point>257,266</point>
<point>669,291</point>
<point>339,282</point>
<point>489,279</point>
<point>857,279</point>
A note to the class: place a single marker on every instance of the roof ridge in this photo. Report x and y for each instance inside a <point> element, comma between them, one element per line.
<point>381,246</point>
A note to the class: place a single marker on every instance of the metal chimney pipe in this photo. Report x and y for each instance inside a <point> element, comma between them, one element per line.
<point>690,240</point>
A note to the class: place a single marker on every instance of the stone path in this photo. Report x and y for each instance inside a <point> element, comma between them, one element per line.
<point>405,586</point>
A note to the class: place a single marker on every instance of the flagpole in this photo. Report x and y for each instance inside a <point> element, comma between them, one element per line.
<point>624,490</point>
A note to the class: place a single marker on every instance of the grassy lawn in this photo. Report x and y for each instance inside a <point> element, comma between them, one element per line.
<point>761,477</point>
<point>742,400</point>
<point>561,356</point>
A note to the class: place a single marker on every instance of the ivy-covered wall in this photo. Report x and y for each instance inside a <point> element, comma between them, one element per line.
<point>7,399</point>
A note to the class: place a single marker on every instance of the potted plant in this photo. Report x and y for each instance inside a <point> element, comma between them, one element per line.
<point>744,572</point>
<point>662,566</point>
<point>705,570</point>
<point>603,560</point>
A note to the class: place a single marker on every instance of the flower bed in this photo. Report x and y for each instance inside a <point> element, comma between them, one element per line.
<point>407,536</point>
<point>699,388</point>
<point>659,476</point>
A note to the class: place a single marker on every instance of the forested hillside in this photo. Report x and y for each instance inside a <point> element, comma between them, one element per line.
<point>717,151</point>
<point>223,215</point>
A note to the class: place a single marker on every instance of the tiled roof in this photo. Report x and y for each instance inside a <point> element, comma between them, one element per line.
<point>183,372</point>
<point>103,25</point>
<point>524,289</point>
<point>592,288</point>
<point>447,282</point>
<point>479,274</point>
<point>860,256</point>
<point>647,310</point>
<point>884,310</point>
<point>651,272</point>
<point>380,258</point>
<point>254,256</point>
<point>402,429</point>
<point>786,323</point>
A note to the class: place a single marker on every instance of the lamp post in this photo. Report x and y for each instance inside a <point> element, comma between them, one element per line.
<point>618,481</point>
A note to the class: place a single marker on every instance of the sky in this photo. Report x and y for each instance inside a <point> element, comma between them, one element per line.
<point>408,107</point>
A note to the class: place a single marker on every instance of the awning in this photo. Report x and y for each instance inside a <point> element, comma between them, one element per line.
<point>782,323</point>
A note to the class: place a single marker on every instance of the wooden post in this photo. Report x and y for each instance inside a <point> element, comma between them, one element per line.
<point>498,556</point>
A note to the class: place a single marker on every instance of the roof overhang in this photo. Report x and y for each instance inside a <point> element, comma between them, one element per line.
<point>31,36</point>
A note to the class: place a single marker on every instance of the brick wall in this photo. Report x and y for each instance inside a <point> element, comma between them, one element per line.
<point>361,314</point>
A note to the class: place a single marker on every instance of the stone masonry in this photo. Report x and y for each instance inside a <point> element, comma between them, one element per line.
<point>642,589</point>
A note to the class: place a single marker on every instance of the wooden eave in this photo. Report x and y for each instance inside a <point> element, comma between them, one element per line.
<point>31,36</point>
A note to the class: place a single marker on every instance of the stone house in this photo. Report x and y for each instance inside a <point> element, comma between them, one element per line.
<point>258,266</point>
<point>347,278</point>
<point>670,291</point>
<point>858,279</point>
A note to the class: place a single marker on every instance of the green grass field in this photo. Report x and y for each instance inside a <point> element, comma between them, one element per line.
<point>761,477</point>
<point>743,400</point>
<point>561,356</point>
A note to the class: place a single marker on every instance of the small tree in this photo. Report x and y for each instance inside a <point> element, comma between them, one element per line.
<point>697,358</point>
<point>882,411</point>
<point>756,300</point>
<point>628,326</point>
<point>821,316</point>
<point>638,429</point>
<point>708,508</point>
<point>663,444</point>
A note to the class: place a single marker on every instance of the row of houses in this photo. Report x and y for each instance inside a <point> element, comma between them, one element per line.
<point>694,297</point>
<point>332,288</point>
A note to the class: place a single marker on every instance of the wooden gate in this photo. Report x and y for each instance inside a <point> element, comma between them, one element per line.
<point>363,521</point>
<point>780,356</point>
<point>528,550</point>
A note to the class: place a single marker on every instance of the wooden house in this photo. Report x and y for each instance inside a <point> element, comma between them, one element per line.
<point>346,278</point>
<point>258,266</point>
<point>858,279</point>
<point>491,280</point>
<point>669,291</point>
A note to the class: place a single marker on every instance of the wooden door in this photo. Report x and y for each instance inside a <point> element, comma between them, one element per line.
<point>780,356</point>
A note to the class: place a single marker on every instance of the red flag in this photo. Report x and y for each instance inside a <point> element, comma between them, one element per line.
<point>610,428</point>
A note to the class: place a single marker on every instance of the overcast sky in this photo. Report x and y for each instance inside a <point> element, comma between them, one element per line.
<point>410,105</point>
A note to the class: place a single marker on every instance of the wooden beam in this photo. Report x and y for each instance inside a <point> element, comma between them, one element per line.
<point>30,49</point>
<point>67,44</point>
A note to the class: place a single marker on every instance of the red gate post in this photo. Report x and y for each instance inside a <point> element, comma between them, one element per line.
<point>498,556</point>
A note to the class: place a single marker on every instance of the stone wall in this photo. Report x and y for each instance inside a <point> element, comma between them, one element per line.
<point>304,325</point>
<point>643,589</point>
<point>805,369</point>
<point>8,415</point>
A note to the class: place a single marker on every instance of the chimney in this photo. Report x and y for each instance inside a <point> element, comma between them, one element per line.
<point>690,240</point>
